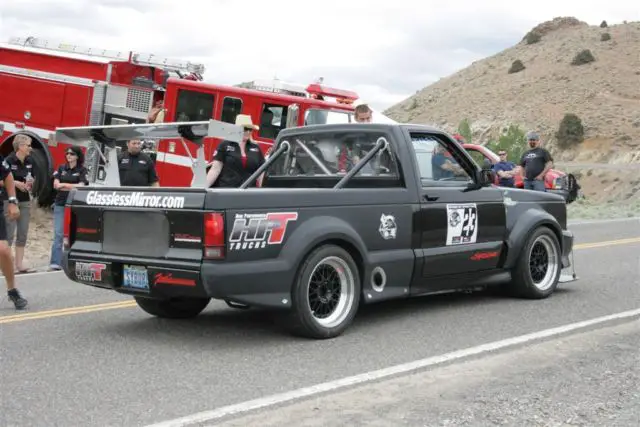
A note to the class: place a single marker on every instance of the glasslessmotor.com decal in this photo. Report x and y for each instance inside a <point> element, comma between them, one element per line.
<point>134,200</point>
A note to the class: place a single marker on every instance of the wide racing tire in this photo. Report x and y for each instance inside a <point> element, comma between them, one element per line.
<point>539,265</point>
<point>325,294</point>
<point>176,308</point>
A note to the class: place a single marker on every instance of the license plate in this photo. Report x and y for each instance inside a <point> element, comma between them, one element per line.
<point>135,277</point>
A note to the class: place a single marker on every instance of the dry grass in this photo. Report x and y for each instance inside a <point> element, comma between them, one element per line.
<point>583,209</point>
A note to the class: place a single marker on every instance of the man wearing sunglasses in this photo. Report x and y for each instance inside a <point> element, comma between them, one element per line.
<point>505,170</point>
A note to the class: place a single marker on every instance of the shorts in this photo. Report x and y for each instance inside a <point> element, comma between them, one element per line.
<point>17,230</point>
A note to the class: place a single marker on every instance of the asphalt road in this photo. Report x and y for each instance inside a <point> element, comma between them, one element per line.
<point>120,366</point>
<point>589,379</point>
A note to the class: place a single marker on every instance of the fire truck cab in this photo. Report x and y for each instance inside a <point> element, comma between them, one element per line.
<point>47,85</point>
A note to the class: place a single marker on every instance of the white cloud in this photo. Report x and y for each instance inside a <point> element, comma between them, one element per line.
<point>385,50</point>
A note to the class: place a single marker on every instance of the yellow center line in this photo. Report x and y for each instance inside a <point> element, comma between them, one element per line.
<point>607,243</point>
<point>66,311</point>
<point>127,304</point>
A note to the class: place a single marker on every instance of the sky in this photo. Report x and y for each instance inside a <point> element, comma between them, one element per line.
<point>383,50</point>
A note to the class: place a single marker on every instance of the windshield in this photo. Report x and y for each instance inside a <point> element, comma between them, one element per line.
<point>314,116</point>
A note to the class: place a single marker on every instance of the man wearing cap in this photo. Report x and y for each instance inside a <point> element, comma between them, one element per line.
<point>534,164</point>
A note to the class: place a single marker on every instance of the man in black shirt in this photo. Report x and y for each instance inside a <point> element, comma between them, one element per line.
<point>534,164</point>
<point>136,168</point>
<point>13,212</point>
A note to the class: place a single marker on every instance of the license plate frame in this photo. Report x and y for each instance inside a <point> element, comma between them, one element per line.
<point>135,277</point>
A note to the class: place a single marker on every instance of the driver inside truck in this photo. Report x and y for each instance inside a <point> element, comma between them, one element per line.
<point>444,166</point>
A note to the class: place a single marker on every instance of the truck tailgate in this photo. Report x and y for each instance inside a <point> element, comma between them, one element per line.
<point>139,237</point>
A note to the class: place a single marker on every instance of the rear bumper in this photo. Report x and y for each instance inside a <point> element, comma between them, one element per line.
<point>256,283</point>
<point>165,279</point>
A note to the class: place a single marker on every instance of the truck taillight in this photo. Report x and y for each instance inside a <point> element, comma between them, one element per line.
<point>213,235</point>
<point>66,231</point>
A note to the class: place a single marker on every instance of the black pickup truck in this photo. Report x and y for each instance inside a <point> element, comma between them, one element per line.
<point>347,214</point>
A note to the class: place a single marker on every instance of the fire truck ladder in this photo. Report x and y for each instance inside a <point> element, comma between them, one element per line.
<point>102,139</point>
<point>137,58</point>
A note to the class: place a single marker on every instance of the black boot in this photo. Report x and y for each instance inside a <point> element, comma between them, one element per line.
<point>17,299</point>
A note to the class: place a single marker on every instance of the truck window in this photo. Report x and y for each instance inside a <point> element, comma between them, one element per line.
<point>436,163</point>
<point>194,106</point>
<point>273,119</point>
<point>231,107</point>
<point>337,153</point>
<point>315,116</point>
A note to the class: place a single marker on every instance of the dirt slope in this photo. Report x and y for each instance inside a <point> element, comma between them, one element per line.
<point>605,94</point>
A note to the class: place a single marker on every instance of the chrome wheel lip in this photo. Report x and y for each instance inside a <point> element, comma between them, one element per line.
<point>347,292</point>
<point>553,262</point>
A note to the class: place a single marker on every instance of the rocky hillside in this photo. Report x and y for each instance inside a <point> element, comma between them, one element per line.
<point>546,83</point>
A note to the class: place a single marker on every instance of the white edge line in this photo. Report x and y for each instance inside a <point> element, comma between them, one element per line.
<point>383,373</point>
<point>603,221</point>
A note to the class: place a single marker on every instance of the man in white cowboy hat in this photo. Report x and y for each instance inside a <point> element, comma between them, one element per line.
<point>234,162</point>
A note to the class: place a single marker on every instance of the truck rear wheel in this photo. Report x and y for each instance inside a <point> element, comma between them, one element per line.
<point>177,308</point>
<point>326,293</point>
<point>538,268</point>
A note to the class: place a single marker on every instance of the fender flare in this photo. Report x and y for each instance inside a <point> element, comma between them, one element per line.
<point>526,222</point>
<point>313,232</point>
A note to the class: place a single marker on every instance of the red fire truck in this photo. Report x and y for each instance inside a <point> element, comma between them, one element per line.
<point>45,85</point>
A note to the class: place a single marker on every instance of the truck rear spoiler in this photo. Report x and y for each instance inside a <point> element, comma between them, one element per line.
<point>100,142</point>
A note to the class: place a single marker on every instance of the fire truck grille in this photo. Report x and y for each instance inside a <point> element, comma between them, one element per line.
<point>139,100</point>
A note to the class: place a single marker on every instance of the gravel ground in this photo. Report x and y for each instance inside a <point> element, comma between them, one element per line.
<point>590,379</point>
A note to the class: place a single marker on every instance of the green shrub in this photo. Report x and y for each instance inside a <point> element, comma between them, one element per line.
<point>516,66</point>
<point>464,129</point>
<point>532,37</point>
<point>584,57</point>
<point>512,141</point>
<point>605,37</point>
<point>570,132</point>
<point>603,24</point>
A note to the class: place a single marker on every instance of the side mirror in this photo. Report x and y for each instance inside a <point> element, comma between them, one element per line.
<point>485,177</point>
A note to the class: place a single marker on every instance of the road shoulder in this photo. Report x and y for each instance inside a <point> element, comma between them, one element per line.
<point>590,378</point>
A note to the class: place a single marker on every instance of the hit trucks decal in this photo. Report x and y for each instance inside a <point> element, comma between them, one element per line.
<point>256,231</point>
<point>134,200</point>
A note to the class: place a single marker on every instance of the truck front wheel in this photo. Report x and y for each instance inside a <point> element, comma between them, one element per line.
<point>176,308</point>
<point>538,268</point>
<point>326,293</point>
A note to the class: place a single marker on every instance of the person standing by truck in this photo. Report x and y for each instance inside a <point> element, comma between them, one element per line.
<point>535,163</point>
<point>21,167</point>
<point>12,213</point>
<point>137,168</point>
<point>69,175</point>
<point>233,163</point>
<point>505,170</point>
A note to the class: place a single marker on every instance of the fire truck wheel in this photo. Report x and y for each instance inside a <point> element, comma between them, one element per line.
<point>43,185</point>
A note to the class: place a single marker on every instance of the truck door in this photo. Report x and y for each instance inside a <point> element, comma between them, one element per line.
<point>462,230</point>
